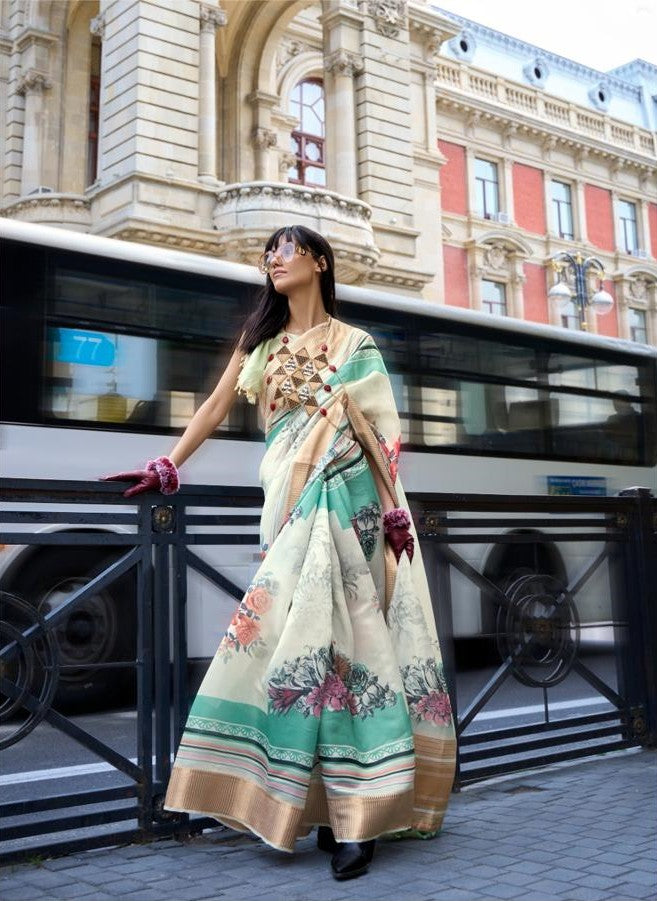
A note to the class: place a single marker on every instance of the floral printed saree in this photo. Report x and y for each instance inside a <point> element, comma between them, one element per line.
<point>326,702</point>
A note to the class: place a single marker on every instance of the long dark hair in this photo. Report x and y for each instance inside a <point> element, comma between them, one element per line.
<point>272,311</point>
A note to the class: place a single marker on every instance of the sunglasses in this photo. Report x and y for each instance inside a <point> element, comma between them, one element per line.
<point>285,252</point>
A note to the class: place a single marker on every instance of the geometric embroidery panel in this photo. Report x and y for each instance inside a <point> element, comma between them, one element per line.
<point>297,378</point>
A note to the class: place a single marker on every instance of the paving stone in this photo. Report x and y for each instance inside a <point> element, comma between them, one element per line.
<point>635,890</point>
<point>41,877</point>
<point>529,866</point>
<point>23,893</point>
<point>641,877</point>
<point>493,846</point>
<point>506,891</point>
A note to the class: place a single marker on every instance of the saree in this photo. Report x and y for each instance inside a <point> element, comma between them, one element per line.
<point>326,701</point>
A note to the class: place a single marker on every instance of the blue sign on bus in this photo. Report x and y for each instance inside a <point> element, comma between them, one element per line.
<point>80,346</point>
<point>595,486</point>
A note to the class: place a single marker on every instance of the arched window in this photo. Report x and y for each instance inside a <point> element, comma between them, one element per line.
<point>307,143</point>
<point>94,111</point>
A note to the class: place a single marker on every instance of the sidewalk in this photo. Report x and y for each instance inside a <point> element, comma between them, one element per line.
<point>580,832</point>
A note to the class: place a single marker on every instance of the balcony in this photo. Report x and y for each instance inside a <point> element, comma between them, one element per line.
<point>248,212</point>
<point>51,208</point>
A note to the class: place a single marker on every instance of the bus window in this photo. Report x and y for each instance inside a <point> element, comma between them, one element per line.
<point>433,418</point>
<point>105,377</point>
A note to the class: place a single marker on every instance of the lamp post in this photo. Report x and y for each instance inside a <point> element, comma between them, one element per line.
<point>602,302</point>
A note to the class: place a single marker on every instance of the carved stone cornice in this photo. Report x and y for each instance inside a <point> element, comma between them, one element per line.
<point>211,17</point>
<point>161,237</point>
<point>33,36</point>
<point>475,110</point>
<point>429,36</point>
<point>295,194</point>
<point>344,62</point>
<point>389,15</point>
<point>263,98</point>
<point>264,137</point>
<point>33,82</point>
<point>68,209</point>
<point>395,279</point>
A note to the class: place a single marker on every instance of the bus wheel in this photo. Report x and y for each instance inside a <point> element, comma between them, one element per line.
<point>101,629</point>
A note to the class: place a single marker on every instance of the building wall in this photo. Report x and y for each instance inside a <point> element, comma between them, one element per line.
<point>453,178</point>
<point>599,217</point>
<point>195,141</point>
<point>529,198</point>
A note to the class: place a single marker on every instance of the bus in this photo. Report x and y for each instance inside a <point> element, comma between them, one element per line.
<point>108,347</point>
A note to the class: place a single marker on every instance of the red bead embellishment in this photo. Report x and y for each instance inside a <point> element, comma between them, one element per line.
<point>327,387</point>
<point>322,410</point>
<point>333,368</point>
<point>285,339</point>
<point>269,380</point>
<point>272,406</point>
<point>324,347</point>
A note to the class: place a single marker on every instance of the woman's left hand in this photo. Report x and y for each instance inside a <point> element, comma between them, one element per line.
<point>396,527</point>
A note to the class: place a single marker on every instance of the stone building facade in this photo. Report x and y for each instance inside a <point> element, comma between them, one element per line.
<point>441,159</point>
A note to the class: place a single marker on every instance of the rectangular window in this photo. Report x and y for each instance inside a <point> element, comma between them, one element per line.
<point>562,208</point>
<point>638,327</point>
<point>94,112</point>
<point>493,297</point>
<point>570,316</point>
<point>486,189</point>
<point>627,226</point>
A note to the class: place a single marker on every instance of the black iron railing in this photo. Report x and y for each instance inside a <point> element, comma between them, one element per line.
<point>520,586</point>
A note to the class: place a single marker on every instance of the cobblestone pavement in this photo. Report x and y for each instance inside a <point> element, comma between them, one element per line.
<point>580,832</point>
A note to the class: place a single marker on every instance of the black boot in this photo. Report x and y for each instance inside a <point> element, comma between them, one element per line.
<point>352,859</point>
<point>326,840</point>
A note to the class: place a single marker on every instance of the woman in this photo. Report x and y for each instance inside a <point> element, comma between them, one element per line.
<point>325,703</point>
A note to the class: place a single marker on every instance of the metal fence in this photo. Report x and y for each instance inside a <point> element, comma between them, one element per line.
<point>535,626</point>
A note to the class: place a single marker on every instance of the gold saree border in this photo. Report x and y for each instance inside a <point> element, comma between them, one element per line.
<point>435,765</point>
<point>245,806</point>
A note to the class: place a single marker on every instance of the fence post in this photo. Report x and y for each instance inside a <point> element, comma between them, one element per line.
<point>642,604</point>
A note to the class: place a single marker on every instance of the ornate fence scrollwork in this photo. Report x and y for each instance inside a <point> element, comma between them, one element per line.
<point>539,629</point>
<point>30,667</point>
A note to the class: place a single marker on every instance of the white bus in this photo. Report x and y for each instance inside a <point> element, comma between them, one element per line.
<point>109,347</point>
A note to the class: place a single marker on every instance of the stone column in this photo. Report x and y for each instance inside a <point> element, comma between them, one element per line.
<point>579,213</point>
<point>547,199</point>
<point>470,181</point>
<point>516,301</point>
<point>621,284</point>
<point>643,225</point>
<point>32,85</point>
<point>618,243</point>
<point>341,168</point>
<point>506,194</point>
<point>263,139</point>
<point>211,17</point>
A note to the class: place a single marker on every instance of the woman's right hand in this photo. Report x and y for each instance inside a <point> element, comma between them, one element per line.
<point>146,479</point>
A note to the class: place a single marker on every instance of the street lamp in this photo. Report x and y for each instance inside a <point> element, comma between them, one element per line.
<point>601,301</point>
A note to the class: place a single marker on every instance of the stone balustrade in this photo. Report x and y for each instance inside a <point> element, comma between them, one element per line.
<point>454,77</point>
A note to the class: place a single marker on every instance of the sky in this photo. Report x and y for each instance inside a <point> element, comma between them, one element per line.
<point>601,34</point>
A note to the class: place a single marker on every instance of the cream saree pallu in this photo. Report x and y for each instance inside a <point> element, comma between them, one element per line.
<point>326,701</point>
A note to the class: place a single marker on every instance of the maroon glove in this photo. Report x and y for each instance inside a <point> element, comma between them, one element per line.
<point>160,475</point>
<point>396,526</point>
<point>147,480</point>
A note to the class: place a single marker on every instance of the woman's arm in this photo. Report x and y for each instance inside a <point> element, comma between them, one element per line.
<point>210,414</point>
